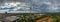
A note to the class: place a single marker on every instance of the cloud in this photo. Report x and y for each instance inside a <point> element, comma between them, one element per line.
<point>35,5</point>
<point>47,5</point>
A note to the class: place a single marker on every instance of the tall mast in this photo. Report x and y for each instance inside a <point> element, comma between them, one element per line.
<point>30,7</point>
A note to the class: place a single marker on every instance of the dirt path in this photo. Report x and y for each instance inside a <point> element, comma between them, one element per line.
<point>40,20</point>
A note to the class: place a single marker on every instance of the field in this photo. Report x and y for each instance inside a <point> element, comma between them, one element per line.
<point>34,17</point>
<point>28,17</point>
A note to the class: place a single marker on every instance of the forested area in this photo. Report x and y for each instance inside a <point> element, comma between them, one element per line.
<point>34,17</point>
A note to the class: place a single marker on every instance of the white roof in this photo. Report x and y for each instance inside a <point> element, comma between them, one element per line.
<point>12,18</point>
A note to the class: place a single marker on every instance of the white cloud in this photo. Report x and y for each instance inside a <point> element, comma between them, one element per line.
<point>18,7</point>
<point>53,8</point>
<point>52,5</point>
<point>48,3</point>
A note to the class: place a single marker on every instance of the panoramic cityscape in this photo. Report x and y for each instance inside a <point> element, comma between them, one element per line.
<point>29,10</point>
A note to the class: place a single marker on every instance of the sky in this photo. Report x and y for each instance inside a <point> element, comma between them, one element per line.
<point>40,6</point>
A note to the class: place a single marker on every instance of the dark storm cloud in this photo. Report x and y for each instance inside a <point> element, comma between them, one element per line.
<point>1,1</point>
<point>41,5</point>
<point>15,0</point>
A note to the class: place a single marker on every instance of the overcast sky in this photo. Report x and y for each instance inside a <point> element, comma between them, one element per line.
<point>34,5</point>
